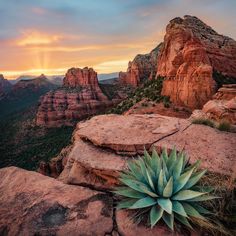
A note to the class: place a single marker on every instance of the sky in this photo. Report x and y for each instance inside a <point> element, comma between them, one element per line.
<point>51,36</point>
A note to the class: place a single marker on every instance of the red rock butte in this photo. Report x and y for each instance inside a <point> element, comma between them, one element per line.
<point>79,97</point>
<point>189,55</point>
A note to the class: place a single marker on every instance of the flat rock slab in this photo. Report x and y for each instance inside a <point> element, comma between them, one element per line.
<point>91,165</point>
<point>216,149</point>
<point>33,204</point>
<point>129,134</point>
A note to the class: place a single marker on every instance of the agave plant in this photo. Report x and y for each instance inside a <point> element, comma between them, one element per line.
<point>165,187</point>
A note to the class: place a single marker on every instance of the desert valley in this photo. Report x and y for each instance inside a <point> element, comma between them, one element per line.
<point>86,153</point>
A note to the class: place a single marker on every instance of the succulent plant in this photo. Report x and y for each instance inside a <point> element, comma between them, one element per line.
<point>165,187</point>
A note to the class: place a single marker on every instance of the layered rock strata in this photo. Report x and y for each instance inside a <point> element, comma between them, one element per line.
<point>101,149</point>
<point>143,67</point>
<point>190,52</point>
<point>79,97</point>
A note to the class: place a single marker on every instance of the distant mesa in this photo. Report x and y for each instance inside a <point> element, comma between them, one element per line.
<point>190,58</point>
<point>79,97</point>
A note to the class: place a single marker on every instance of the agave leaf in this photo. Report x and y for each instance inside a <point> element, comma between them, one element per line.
<point>143,169</point>
<point>202,198</point>
<point>157,159</point>
<point>144,202</point>
<point>135,171</point>
<point>200,209</point>
<point>178,208</point>
<point>126,204</point>
<point>172,158</point>
<point>167,192</point>
<point>194,179</point>
<point>160,184</point>
<point>196,165</point>
<point>185,161</point>
<point>186,195</point>
<point>207,189</point>
<point>150,180</point>
<point>165,204</point>
<point>191,211</point>
<point>165,170</point>
<point>128,192</point>
<point>183,220</point>
<point>178,168</point>
<point>164,155</point>
<point>169,220</point>
<point>138,186</point>
<point>182,180</point>
<point>155,215</point>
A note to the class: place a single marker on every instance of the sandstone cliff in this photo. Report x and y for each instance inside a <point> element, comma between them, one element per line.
<point>79,97</point>
<point>141,68</point>
<point>190,53</point>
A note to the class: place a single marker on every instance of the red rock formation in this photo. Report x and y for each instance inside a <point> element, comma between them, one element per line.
<point>5,86</point>
<point>141,68</point>
<point>190,53</point>
<point>76,77</point>
<point>221,108</point>
<point>79,97</point>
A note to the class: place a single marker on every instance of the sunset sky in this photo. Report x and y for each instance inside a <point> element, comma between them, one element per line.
<point>50,36</point>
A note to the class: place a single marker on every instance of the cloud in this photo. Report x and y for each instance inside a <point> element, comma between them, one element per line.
<point>60,33</point>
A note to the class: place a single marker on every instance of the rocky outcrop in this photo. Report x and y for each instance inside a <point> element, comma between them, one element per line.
<point>190,53</point>
<point>221,108</point>
<point>143,67</point>
<point>5,86</point>
<point>33,204</point>
<point>101,149</point>
<point>76,77</point>
<point>79,97</point>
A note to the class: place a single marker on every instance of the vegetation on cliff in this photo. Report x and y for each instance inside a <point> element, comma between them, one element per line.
<point>151,90</point>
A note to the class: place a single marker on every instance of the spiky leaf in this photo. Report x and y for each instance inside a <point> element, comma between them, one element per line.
<point>128,192</point>
<point>194,179</point>
<point>178,208</point>
<point>165,204</point>
<point>191,211</point>
<point>155,215</point>
<point>169,220</point>
<point>167,192</point>
<point>186,195</point>
<point>142,203</point>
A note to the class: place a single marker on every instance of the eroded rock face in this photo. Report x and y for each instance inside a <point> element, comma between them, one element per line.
<point>33,204</point>
<point>143,67</point>
<point>79,97</point>
<point>76,77</point>
<point>221,108</point>
<point>190,53</point>
<point>101,149</point>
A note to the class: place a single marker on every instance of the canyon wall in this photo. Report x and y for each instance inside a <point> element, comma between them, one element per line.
<point>79,97</point>
<point>191,52</point>
<point>141,68</point>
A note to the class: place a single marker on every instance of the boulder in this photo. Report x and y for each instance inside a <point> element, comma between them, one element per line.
<point>33,204</point>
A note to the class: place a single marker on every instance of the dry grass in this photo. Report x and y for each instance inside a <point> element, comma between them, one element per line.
<point>222,221</point>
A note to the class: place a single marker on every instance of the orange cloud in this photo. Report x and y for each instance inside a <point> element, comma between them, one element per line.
<point>34,37</point>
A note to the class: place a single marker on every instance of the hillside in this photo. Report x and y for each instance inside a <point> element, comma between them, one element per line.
<point>24,94</point>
